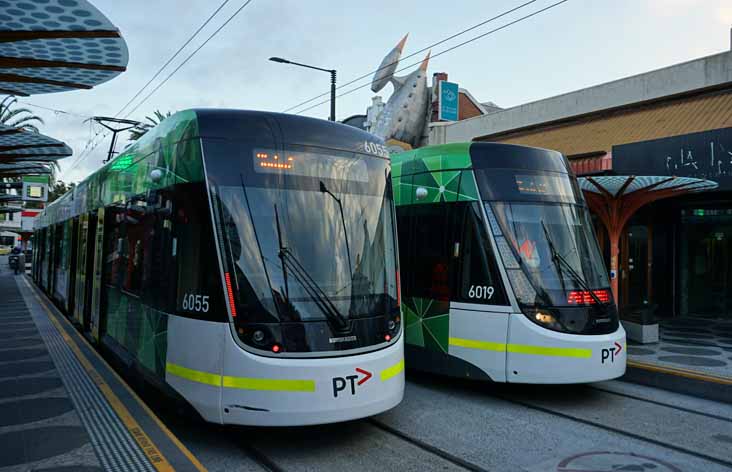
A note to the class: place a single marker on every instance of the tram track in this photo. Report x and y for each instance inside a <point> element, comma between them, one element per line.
<point>663,404</point>
<point>616,430</point>
<point>427,447</point>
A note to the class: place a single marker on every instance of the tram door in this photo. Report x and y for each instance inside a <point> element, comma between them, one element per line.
<point>96,296</point>
<point>79,286</point>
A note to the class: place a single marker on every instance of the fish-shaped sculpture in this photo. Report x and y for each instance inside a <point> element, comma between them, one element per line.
<point>405,114</point>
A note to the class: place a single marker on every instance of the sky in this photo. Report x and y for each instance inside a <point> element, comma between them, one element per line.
<point>577,44</point>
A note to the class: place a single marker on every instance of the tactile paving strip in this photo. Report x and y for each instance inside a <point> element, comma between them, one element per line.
<point>114,445</point>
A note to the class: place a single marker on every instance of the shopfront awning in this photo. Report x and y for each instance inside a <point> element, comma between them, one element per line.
<point>57,46</point>
<point>615,198</point>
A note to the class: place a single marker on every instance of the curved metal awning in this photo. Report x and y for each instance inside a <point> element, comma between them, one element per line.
<point>621,185</point>
<point>615,198</point>
<point>51,46</point>
<point>21,145</point>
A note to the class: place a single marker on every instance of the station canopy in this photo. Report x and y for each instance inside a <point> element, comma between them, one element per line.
<point>9,209</point>
<point>10,198</point>
<point>19,145</point>
<point>615,198</point>
<point>51,46</point>
<point>20,169</point>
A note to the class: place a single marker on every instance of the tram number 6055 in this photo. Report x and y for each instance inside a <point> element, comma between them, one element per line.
<point>484,292</point>
<point>193,302</point>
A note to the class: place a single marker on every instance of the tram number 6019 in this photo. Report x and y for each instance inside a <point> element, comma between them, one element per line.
<point>481,291</point>
<point>193,302</point>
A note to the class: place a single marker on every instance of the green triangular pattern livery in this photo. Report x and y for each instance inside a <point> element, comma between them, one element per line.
<point>427,323</point>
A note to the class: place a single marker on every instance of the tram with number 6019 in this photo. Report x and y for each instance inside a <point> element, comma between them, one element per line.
<point>502,277</point>
<point>243,261</point>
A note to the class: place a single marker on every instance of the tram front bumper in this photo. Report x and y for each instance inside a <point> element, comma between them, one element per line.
<point>541,356</point>
<point>269,391</point>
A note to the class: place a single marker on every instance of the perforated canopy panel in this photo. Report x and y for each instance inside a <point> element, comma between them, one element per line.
<point>21,145</point>
<point>619,185</point>
<point>57,45</point>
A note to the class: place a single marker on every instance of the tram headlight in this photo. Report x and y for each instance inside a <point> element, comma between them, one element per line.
<point>544,318</point>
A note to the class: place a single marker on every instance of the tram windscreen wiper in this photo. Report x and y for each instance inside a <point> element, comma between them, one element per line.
<point>298,271</point>
<point>559,259</point>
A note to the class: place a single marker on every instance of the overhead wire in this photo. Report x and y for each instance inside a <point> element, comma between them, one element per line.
<point>164,81</point>
<point>190,56</point>
<point>180,49</point>
<point>452,48</point>
<point>442,41</point>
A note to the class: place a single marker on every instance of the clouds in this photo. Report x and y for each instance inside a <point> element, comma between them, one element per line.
<point>580,43</point>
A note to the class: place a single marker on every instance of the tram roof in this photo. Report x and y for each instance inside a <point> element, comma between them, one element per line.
<point>477,155</point>
<point>171,134</point>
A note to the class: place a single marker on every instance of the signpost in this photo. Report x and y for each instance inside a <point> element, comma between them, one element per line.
<point>449,101</point>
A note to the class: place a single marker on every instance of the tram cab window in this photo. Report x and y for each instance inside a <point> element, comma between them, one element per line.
<point>446,254</point>
<point>476,276</point>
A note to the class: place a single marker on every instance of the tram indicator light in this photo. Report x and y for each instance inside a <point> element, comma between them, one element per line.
<point>230,293</point>
<point>583,297</point>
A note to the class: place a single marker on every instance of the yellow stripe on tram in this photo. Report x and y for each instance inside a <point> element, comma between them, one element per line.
<point>244,383</point>
<point>473,344</point>
<point>194,375</point>
<point>550,351</point>
<point>580,353</point>
<point>278,385</point>
<point>390,372</point>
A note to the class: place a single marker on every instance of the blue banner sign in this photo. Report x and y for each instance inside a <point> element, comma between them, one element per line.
<point>449,101</point>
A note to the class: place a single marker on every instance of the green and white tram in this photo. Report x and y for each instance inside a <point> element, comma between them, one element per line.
<point>241,260</point>
<point>502,277</point>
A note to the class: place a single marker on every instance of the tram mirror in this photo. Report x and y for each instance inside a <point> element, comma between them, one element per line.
<point>156,175</point>
<point>420,193</point>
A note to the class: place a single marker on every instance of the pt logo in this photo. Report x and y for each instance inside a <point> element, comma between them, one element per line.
<point>341,383</point>
<point>608,354</point>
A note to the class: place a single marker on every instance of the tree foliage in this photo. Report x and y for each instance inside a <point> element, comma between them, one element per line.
<point>18,117</point>
<point>156,119</point>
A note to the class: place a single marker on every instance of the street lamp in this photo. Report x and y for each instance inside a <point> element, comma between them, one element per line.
<point>332,80</point>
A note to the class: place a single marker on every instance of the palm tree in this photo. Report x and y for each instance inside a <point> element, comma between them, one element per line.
<point>137,133</point>
<point>18,117</point>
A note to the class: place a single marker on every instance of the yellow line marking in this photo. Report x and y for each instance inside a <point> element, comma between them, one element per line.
<point>680,372</point>
<point>244,383</point>
<point>521,348</point>
<point>392,371</point>
<point>156,457</point>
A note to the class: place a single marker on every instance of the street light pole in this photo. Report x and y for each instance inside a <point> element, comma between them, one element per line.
<point>332,80</point>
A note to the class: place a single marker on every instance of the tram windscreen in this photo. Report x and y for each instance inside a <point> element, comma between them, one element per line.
<point>557,251</point>
<point>312,244</point>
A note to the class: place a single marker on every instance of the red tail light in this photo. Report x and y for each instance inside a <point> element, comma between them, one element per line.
<point>583,297</point>
<point>230,293</point>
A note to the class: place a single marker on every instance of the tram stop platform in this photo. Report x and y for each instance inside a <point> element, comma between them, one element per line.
<point>62,408</point>
<point>693,356</point>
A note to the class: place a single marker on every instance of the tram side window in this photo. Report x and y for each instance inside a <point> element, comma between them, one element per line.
<point>476,277</point>
<point>427,259</point>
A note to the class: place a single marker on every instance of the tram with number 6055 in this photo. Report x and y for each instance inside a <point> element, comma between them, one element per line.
<point>502,277</point>
<point>243,261</point>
